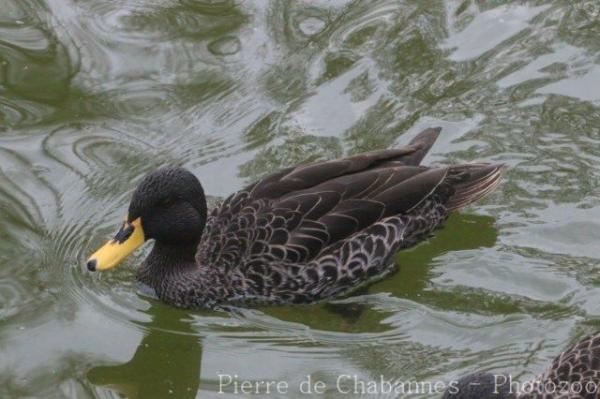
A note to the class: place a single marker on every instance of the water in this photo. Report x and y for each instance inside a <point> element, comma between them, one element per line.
<point>93,95</point>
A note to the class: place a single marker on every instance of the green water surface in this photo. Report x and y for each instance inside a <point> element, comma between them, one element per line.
<point>94,94</point>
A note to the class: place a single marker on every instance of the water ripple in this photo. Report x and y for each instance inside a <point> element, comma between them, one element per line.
<point>93,95</point>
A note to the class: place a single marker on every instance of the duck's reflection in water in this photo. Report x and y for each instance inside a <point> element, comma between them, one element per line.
<point>165,364</point>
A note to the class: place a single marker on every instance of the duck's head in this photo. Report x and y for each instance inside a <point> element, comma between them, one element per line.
<point>481,386</point>
<point>168,206</point>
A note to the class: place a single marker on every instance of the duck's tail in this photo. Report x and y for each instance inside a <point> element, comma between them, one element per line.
<point>472,182</point>
<point>423,143</point>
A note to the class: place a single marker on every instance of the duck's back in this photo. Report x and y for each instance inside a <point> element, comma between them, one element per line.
<point>314,231</point>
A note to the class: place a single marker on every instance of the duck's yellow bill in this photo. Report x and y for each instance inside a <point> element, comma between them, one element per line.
<point>129,237</point>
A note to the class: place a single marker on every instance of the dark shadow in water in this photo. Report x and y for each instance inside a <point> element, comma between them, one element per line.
<point>166,364</point>
<point>461,232</point>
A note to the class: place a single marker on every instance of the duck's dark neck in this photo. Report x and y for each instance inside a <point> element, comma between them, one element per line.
<point>165,260</point>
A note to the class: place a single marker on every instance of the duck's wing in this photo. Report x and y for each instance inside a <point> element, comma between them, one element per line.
<point>298,213</point>
<point>307,176</point>
<point>301,177</point>
<point>236,217</point>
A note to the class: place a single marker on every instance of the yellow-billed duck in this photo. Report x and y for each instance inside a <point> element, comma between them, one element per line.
<point>300,235</point>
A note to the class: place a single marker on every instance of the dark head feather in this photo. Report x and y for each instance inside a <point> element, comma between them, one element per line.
<point>171,204</point>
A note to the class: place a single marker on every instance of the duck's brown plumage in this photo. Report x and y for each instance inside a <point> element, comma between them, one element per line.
<point>313,231</point>
<point>299,235</point>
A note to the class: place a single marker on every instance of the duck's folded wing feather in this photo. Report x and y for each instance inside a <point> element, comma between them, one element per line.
<point>297,178</point>
<point>299,226</point>
<point>305,176</point>
<point>300,212</point>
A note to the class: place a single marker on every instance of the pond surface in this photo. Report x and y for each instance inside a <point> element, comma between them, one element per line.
<point>94,94</point>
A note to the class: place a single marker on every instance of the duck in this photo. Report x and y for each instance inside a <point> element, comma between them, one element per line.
<point>573,374</point>
<point>299,235</point>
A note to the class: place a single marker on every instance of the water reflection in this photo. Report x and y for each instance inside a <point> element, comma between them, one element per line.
<point>462,234</point>
<point>36,68</point>
<point>411,281</point>
<point>166,363</point>
<point>95,94</point>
